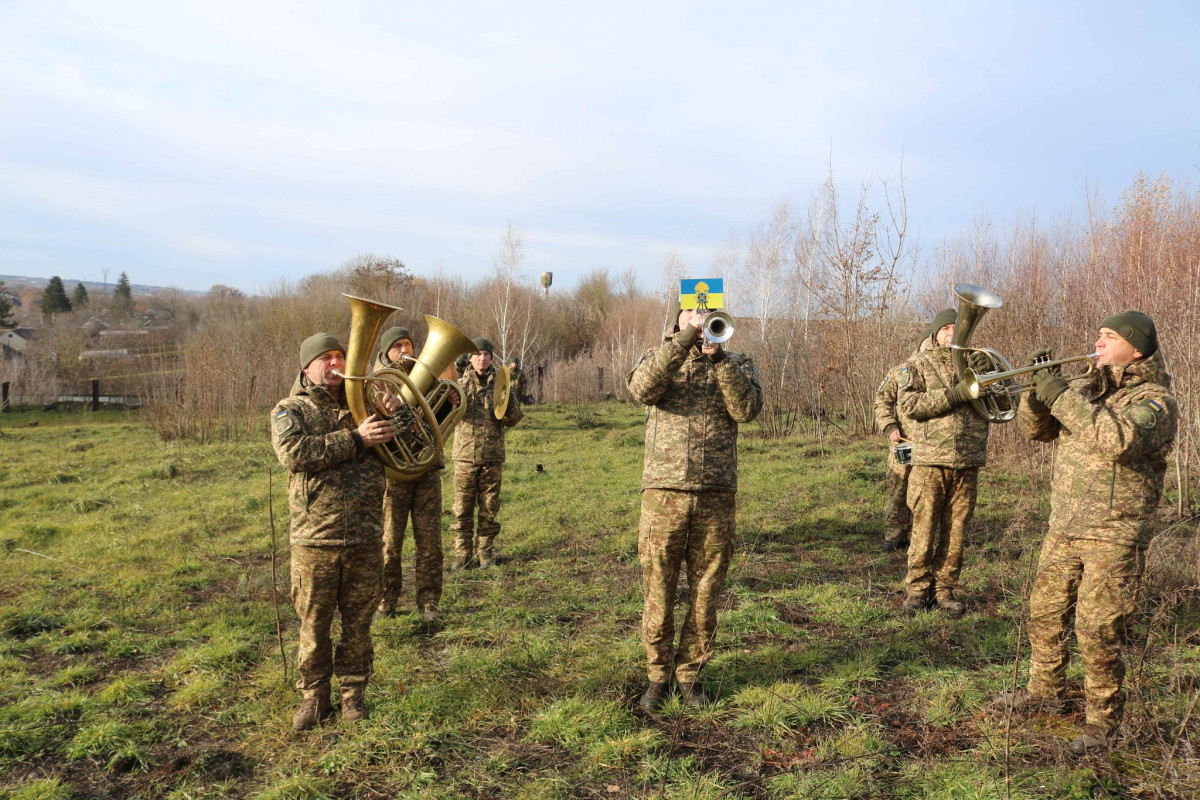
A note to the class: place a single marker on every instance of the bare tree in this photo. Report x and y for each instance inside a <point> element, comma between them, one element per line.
<point>507,264</point>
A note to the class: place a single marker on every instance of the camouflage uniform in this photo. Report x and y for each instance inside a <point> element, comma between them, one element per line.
<point>478,463</point>
<point>422,499</point>
<point>334,488</point>
<point>949,445</point>
<point>519,383</point>
<point>1114,434</point>
<point>689,479</point>
<point>897,519</point>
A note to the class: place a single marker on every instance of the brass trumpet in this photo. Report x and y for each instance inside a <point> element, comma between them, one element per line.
<point>1002,383</point>
<point>717,327</point>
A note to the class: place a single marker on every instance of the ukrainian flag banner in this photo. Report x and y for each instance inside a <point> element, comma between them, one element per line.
<point>702,293</point>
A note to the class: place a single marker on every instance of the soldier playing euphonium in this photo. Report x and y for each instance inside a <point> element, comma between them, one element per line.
<point>1114,433</point>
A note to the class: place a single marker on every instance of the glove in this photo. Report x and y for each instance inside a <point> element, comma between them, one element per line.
<point>1047,386</point>
<point>958,394</point>
<point>1041,355</point>
<point>979,362</point>
<point>688,336</point>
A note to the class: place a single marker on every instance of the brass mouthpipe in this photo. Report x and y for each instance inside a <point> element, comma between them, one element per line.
<point>1001,382</point>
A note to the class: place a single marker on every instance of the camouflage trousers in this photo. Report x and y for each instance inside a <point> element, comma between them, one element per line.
<point>942,502</point>
<point>328,581</point>
<point>682,528</point>
<point>1098,583</point>
<point>897,519</point>
<point>422,500</point>
<point>476,484</point>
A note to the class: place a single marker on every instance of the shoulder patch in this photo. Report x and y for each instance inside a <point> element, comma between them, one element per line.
<point>906,377</point>
<point>1146,415</point>
<point>286,422</point>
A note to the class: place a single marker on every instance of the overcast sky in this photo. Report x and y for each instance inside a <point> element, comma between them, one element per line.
<point>241,143</point>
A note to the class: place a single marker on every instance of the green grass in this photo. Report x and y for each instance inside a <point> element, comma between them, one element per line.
<point>138,654</point>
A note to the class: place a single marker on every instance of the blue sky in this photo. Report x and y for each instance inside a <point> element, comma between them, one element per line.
<point>245,143</point>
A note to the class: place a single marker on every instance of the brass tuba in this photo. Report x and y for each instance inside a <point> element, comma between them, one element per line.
<point>426,415</point>
<point>973,303</point>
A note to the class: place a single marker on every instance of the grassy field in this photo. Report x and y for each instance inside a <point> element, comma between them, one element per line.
<point>139,658</point>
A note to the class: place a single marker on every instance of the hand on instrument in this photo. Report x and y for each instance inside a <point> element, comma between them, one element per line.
<point>1047,386</point>
<point>1043,355</point>
<point>979,362</point>
<point>895,436</point>
<point>374,430</point>
<point>390,402</point>
<point>958,394</point>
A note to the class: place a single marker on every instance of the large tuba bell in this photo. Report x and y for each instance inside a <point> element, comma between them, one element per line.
<point>426,415</point>
<point>973,303</point>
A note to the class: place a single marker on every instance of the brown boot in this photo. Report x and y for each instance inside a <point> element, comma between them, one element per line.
<point>951,607</point>
<point>387,607</point>
<point>914,603</point>
<point>653,697</point>
<point>316,707</point>
<point>460,563</point>
<point>354,707</point>
<point>691,694</point>
<point>1091,739</point>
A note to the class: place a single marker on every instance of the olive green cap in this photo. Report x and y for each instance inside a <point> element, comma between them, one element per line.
<point>1136,328</point>
<point>485,344</point>
<point>393,335</point>
<point>316,344</point>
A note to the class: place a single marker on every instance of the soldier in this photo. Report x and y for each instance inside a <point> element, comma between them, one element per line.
<point>697,394</point>
<point>518,382</point>
<point>421,498</point>
<point>1114,432</point>
<point>949,445</point>
<point>478,462</point>
<point>334,488</point>
<point>897,519</point>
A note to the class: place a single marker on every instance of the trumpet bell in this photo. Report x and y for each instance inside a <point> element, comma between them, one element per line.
<point>718,327</point>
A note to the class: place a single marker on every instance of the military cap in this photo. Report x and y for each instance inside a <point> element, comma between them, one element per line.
<point>316,344</point>
<point>1136,328</point>
<point>393,335</point>
<point>483,343</point>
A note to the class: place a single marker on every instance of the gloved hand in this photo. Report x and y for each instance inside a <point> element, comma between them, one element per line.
<point>1047,386</point>
<point>958,394</point>
<point>1043,354</point>
<point>979,362</point>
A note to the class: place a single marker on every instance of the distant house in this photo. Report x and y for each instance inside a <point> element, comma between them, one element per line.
<point>15,343</point>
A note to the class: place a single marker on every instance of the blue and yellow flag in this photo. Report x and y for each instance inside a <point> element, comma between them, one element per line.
<point>702,293</point>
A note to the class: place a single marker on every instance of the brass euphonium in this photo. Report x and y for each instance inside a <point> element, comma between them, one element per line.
<point>973,304</point>
<point>426,415</point>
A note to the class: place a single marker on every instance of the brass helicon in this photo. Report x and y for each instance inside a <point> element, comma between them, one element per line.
<point>426,415</point>
<point>993,391</point>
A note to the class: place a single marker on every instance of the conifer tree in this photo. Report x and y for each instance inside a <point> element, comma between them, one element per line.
<point>54,299</point>
<point>6,320</point>
<point>123,297</point>
<point>79,298</point>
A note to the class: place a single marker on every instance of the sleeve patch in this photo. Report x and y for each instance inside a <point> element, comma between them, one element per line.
<point>285,423</point>
<point>906,377</point>
<point>1146,415</point>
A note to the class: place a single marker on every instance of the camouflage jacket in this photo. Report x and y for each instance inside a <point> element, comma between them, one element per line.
<point>695,408</point>
<point>479,437</point>
<point>941,435</point>
<point>1114,434</point>
<point>335,486</point>
<point>383,362</point>
<point>520,383</point>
